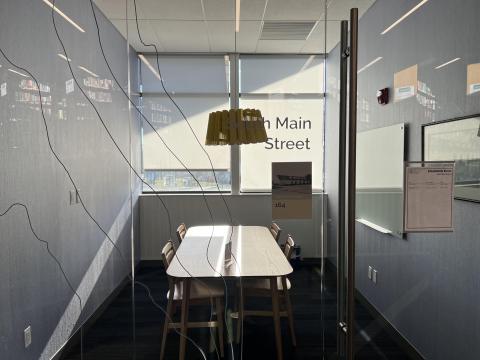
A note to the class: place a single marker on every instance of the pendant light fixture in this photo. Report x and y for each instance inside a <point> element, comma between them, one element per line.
<point>236,126</point>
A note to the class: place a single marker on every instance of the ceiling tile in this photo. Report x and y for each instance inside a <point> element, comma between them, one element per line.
<point>294,10</point>
<point>225,9</point>
<point>340,9</point>
<point>147,32</point>
<point>179,26</point>
<point>222,36</point>
<point>182,36</point>
<point>153,9</point>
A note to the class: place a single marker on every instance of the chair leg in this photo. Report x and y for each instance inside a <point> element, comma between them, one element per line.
<point>168,318</point>
<point>219,308</point>
<point>241,298</point>
<point>276,317</point>
<point>184,317</point>
<point>286,294</point>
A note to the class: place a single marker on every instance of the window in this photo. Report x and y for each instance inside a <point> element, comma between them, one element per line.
<point>289,92</point>
<point>287,89</point>
<point>199,85</point>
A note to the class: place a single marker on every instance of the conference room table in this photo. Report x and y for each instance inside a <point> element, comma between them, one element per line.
<point>255,254</point>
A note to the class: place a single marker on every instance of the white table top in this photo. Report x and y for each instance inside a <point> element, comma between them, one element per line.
<point>255,249</point>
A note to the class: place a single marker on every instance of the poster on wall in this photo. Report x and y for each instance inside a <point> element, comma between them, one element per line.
<point>429,196</point>
<point>473,79</point>
<point>69,87</point>
<point>291,190</point>
<point>405,83</point>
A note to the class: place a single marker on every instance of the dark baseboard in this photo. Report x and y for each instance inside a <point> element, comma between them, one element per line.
<point>75,338</point>
<point>403,343</point>
<point>150,263</point>
<point>399,339</point>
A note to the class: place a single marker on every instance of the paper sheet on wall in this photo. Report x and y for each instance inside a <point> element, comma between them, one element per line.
<point>429,197</point>
<point>291,190</point>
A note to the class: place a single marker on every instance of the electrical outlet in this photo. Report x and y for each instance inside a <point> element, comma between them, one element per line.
<point>27,336</point>
<point>370,269</point>
<point>374,276</point>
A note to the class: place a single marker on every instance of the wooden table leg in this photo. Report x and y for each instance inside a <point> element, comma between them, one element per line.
<point>184,317</point>
<point>276,317</point>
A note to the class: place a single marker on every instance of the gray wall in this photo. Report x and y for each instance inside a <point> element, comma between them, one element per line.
<point>428,285</point>
<point>32,289</point>
<point>248,209</point>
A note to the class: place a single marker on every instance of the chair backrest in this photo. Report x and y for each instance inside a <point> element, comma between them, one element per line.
<point>275,230</point>
<point>168,252</point>
<point>289,247</point>
<point>181,231</point>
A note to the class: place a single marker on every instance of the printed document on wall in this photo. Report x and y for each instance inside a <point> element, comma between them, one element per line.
<point>429,197</point>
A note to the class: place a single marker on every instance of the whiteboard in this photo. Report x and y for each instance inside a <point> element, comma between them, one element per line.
<point>380,157</point>
<point>380,161</point>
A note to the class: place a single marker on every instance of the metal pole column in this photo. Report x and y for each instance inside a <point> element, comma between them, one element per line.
<point>352,153</point>
<point>342,160</point>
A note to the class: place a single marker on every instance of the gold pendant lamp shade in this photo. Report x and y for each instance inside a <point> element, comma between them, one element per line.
<point>235,127</point>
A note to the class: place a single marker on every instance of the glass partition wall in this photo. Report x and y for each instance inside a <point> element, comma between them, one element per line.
<point>420,286</point>
<point>95,120</point>
<point>289,90</point>
<point>70,143</point>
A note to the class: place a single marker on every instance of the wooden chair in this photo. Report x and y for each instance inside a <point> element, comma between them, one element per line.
<point>261,288</point>
<point>275,231</point>
<point>181,231</point>
<point>200,292</point>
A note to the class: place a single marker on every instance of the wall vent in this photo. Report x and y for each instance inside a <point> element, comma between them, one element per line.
<point>286,30</point>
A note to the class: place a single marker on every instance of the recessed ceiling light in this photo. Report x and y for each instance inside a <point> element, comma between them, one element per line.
<point>59,12</point>
<point>369,64</point>
<point>17,72</point>
<point>237,16</point>
<point>415,8</point>
<point>447,63</point>
<point>64,57</point>
<point>88,71</point>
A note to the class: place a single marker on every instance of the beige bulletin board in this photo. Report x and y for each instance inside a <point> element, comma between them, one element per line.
<point>473,79</point>
<point>405,83</point>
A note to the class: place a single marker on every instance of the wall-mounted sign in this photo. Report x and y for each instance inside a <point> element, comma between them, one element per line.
<point>473,79</point>
<point>428,196</point>
<point>69,86</point>
<point>405,83</point>
<point>291,190</point>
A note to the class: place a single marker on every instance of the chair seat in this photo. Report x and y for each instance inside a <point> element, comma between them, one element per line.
<point>199,290</point>
<point>263,284</point>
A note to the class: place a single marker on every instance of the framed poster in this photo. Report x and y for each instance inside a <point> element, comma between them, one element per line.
<point>291,190</point>
<point>428,196</point>
<point>456,140</point>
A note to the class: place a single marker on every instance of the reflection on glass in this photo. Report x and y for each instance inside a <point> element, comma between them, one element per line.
<point>289,92</point>
<point>178,180</point>
<point>457,141</point>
